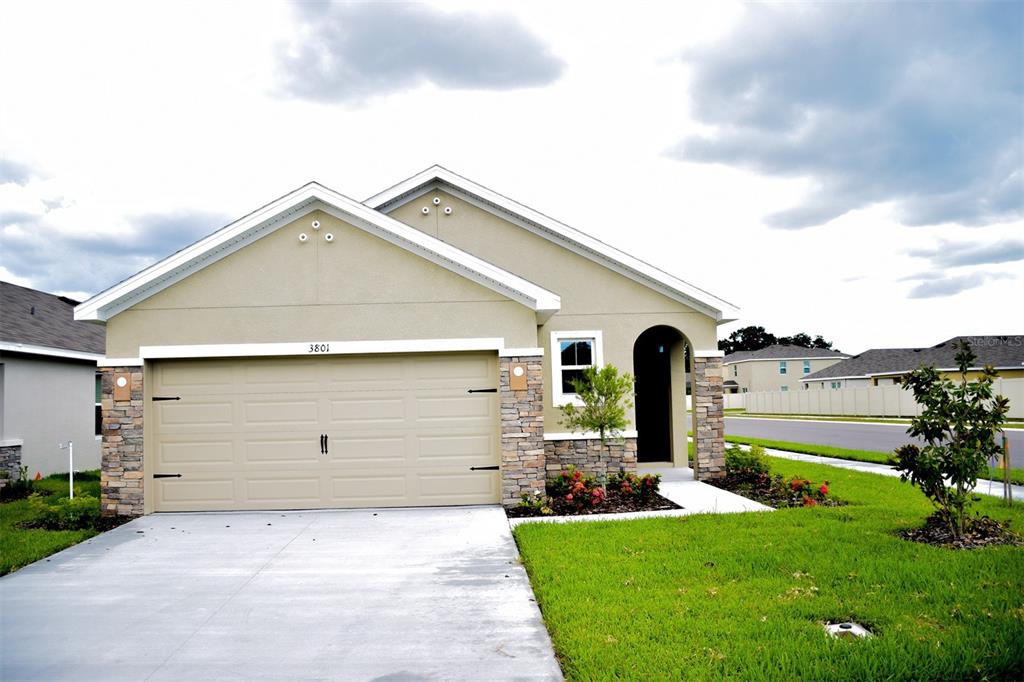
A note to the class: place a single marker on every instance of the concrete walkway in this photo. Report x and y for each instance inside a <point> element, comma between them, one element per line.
<point>985,487</point>
<point>396,594</point>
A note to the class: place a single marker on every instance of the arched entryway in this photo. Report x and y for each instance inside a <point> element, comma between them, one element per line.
<point>660,367</point>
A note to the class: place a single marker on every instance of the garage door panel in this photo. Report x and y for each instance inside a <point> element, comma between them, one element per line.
<point>402,431</point>
<point>193,414</point>
<point>197,452</point>
<point>368,451</point>
<point>454,408</point>
<point>190,494</point>
<point>277,413</point>
<point>464,488</point>
<point>370,490</point>
<point>294,491</point>
<point>361,411</point>
<point>281,452</point>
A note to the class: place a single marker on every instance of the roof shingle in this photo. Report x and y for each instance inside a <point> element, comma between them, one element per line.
<point>40,319</point>
<point>783,352</point>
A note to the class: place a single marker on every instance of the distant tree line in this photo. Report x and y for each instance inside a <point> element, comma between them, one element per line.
<point>756,338</point>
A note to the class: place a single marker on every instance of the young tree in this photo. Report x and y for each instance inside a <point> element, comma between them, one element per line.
<point>958,423</point>
<point>605,396</point>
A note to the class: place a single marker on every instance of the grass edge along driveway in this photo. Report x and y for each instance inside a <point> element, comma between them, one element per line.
<point>743,595</point>
<point>19,546</point>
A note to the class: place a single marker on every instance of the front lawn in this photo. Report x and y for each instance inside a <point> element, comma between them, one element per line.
<point>743,596</point>
<point>21,546</point>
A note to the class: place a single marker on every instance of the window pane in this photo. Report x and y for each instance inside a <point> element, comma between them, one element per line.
<point>567,376</point>
<point>577,351</point>
<point>99,387</point>
<point>98,421</point>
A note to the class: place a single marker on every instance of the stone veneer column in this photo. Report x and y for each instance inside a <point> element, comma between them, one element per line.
<point>121,477</point>
<point>522,431</point>
<point>708,418</point>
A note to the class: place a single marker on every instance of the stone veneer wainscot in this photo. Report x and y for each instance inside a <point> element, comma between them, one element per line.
<point>591,456</point>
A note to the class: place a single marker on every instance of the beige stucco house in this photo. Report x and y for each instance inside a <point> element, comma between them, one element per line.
<point>775,368</point>
<point>412,349</point>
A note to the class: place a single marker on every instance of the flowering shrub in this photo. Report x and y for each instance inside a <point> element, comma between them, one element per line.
<point>747,473</point>
<point>807,492</point>
<point>641,487</point>
<point>747,466</point>
<point>576,488</point>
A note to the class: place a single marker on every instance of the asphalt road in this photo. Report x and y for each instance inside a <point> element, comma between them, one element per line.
<point>857,436</point>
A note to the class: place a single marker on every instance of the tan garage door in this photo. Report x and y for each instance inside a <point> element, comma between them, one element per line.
<point>400,430</point>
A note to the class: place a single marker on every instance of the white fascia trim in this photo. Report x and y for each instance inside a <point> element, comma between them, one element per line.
<point>48,351</point>
<point>11,442</point>
<point>557,397</point>
<point>585,245</point>
<point>521,352</point>
<point>708,353</point>
<point>320,347</point>
<point>302,201</point>
<point>586,435</point>
<point>120,362</point>
<point>817,357</point>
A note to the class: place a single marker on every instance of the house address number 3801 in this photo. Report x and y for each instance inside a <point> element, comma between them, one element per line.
<point>319,348</point>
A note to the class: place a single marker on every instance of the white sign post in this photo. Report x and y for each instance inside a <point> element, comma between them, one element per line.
<point>71,468</point>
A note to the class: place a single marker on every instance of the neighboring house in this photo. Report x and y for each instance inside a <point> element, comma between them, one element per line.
<point>409,350</point>
<point>775,368</point>
<point>48,381</point>
<point>885,366</point>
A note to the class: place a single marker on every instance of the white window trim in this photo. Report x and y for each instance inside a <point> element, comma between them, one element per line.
<point>783,368</point>
<point>557,397</point>
<point>807,366</point>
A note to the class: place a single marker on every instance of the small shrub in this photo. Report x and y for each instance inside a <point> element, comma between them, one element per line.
<point>640,487</point>
<point>63,513</point>
<point>536,503</point>
<point>17,488</point>
<point>746,466</point>
<point>576,488</point>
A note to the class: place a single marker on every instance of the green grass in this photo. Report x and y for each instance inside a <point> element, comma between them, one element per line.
<point>21,546</point>
<point>813,449</point>
<point>743,596</point>
<point>1016,474</point>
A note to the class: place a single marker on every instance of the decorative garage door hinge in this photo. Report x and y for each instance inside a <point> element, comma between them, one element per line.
<point>490,468</point>
<point>482,390</point>
<point>166,475</point>
<point>157,398</point>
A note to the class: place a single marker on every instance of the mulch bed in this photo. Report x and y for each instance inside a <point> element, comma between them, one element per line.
<point>615,503</point>
<point>980,532</point>
<point>772,492</point>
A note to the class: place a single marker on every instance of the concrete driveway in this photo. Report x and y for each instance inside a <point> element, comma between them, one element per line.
<point>397,594</point>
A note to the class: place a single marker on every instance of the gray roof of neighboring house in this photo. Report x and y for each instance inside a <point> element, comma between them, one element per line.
<point>998,351</point>
<point>783,352</point>
<point>39,319</point>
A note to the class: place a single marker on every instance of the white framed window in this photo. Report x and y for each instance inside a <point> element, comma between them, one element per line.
<point>807,366</point>
<point>735,370</point>
<point>837,384</point>
<point>782,366</point>
<point>571,353</point>
<point>744,390</point>
<point>784,388</point>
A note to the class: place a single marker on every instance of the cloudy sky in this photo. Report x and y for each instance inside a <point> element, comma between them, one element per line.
<point>851,170</point>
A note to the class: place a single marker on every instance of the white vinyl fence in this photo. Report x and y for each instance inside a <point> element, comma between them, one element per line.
<point>870,401</point>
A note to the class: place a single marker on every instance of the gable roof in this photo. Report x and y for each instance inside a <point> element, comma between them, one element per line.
<point>310,197</point>
<point>560,233</point>
<point>780,351</point>
<point>44,324</point>
<point>999,351</point>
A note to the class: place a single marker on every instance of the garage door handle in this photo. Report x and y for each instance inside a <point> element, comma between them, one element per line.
<point>482,390</point>
<point>325,444</point>
<point>490,468</point>
<point>166,475</point>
